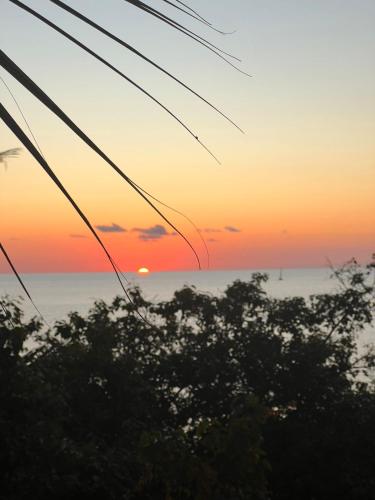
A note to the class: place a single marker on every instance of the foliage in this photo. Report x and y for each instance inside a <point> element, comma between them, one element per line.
<point>239,396</point>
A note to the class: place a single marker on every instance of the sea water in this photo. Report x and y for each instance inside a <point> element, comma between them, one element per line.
<point>58,294</point>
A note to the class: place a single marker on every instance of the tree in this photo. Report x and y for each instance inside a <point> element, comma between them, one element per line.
<point>238,396</point>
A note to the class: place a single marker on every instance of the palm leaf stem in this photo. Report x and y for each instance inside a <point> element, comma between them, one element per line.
<point>118,40</point>
<point>12,68</point>
<point>113,68</point>
<point>19,279</point>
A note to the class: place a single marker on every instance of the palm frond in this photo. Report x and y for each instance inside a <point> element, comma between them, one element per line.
<point>7,258</point>
<point>13,69</point>
<point>182,29</point>
<point>113,68</point>
<point>19,133</point>
<point>126,45</point>
<point>33,88</point>
<point>9,153</point>
<point>193,14</point>
<point>190,12</point>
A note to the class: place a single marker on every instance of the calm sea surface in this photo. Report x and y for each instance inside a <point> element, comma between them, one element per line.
<point>58,294</point>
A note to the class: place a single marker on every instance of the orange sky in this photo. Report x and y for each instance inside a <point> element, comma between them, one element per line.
<point>296,188</point>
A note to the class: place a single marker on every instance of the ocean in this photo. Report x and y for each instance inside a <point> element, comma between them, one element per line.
<point>58,294</point>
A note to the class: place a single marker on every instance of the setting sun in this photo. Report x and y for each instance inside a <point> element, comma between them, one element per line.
<point>143,270</point>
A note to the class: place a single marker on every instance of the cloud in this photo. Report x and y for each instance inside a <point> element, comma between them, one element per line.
<point>210,230</point>
<point>77,236</point>
<point>232,229</point>
<point>229,229</point>
<point>285,233</point>
<point>114,228</point>
<point>212,240</point>
<point>152,233</point>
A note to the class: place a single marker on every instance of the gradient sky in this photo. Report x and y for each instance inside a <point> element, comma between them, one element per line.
<point>296,188</point>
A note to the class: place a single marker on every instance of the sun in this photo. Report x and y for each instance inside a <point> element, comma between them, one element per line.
<point>143,270</point>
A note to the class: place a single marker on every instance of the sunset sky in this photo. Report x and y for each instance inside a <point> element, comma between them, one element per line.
<point>296,188</point>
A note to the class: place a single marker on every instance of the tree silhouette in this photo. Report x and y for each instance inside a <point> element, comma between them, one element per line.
<point>239,396</point>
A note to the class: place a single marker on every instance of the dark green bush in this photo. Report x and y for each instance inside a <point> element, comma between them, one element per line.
<point>240,396</point>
